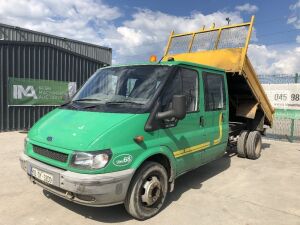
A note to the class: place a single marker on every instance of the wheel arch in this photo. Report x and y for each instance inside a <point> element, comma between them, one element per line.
<point>162,156</point>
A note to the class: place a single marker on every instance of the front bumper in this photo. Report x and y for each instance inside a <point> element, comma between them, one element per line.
<point>86,189</point>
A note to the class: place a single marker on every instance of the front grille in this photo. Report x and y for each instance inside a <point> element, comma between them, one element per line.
<point>62,157</point>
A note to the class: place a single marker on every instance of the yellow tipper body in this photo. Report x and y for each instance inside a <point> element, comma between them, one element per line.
<point>225,48</point>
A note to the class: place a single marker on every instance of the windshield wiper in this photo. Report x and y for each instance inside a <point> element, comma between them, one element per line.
<point>71,103</point>
<point>122,102</point>
<point>87,100</point>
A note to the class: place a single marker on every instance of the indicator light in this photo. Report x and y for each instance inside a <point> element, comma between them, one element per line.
<point>153,58</point>
<point>138,139</point>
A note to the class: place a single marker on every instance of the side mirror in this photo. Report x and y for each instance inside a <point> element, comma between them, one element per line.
<point>178,109</point>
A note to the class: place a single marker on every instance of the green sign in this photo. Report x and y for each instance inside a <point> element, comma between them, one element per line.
<point>28,92</point>
<point>287,114</point>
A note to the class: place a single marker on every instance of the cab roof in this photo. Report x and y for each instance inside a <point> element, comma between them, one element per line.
<point>173,63</point>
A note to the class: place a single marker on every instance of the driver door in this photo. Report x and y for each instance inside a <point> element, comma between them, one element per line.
<point>186,137</point>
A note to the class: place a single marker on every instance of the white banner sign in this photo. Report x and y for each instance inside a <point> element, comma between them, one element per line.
<point>283,96</point>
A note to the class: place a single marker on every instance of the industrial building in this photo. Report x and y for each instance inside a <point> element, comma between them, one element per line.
<point>37,69</point>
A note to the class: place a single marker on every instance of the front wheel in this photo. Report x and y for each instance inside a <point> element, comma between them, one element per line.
<point>147,191</point>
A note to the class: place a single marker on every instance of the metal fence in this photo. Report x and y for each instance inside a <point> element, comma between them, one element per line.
<point>286,124</point>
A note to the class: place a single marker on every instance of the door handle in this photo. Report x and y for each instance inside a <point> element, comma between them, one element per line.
<point>201,121</point>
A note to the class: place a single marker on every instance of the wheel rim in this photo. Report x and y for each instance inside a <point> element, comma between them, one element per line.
<point>152,190</point>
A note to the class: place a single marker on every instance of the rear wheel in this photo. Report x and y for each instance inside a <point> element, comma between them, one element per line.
<point>241,144</point>
<point>147,191</point>
<point>253,145</point>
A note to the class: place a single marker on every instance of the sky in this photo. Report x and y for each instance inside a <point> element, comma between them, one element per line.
<point>136,29</point>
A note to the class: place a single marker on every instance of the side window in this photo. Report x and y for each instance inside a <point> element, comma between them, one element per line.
<point>190,88</point>
<point>214,91</point>
<point>185,83</point>
<point>173,88</point>
<point>130,85</point>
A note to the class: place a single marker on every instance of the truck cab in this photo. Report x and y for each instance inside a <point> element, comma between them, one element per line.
<point>131,130</point>
<point>173,114</point>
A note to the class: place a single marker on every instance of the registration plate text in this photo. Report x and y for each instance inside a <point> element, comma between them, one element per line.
<point>47,178</point>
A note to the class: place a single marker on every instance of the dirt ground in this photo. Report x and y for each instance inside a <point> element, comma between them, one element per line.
<point>230,190</point>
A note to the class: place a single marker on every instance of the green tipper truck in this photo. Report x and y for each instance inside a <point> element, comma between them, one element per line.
<point>131,130</point>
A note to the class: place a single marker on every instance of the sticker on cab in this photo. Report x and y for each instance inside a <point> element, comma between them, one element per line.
<point>122,160</point>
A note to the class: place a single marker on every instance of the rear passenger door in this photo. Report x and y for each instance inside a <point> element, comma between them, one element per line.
<point>215,121</point>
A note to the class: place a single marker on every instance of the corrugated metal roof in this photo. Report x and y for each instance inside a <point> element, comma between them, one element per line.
<point>99,53</point>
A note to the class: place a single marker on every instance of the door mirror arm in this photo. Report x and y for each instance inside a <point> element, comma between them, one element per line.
<point>165,115</point>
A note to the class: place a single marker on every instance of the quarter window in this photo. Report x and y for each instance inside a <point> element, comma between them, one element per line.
<point>214,91</point>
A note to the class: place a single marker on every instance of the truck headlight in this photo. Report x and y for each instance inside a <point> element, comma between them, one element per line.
<point>91,160</point>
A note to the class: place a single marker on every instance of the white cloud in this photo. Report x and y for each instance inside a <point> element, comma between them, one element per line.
<point>248,8</point>
<point>135,39</point>
<point>261,58</point>
<point>295,6</point>
<point>138,37</point>
<point>146,34</point>
<point>68,18</point>
<point>41,9</point>
<point>288,62</point>
<point>294,18</point>
<point>274,61</point>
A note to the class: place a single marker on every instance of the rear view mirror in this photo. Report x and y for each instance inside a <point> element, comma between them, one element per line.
<point>178,109</point>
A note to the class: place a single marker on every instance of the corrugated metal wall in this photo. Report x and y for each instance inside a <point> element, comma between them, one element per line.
<point>37,61</point>
<point>99,53</point>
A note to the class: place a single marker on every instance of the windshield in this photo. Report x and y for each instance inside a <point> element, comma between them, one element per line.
<point>128,86</point>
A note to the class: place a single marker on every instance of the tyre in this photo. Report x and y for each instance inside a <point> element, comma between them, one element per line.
<point>147,191</point>
<point>241,144</point>
<point>253,145</point>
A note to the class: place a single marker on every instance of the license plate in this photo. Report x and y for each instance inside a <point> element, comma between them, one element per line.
<point>45,177</point>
